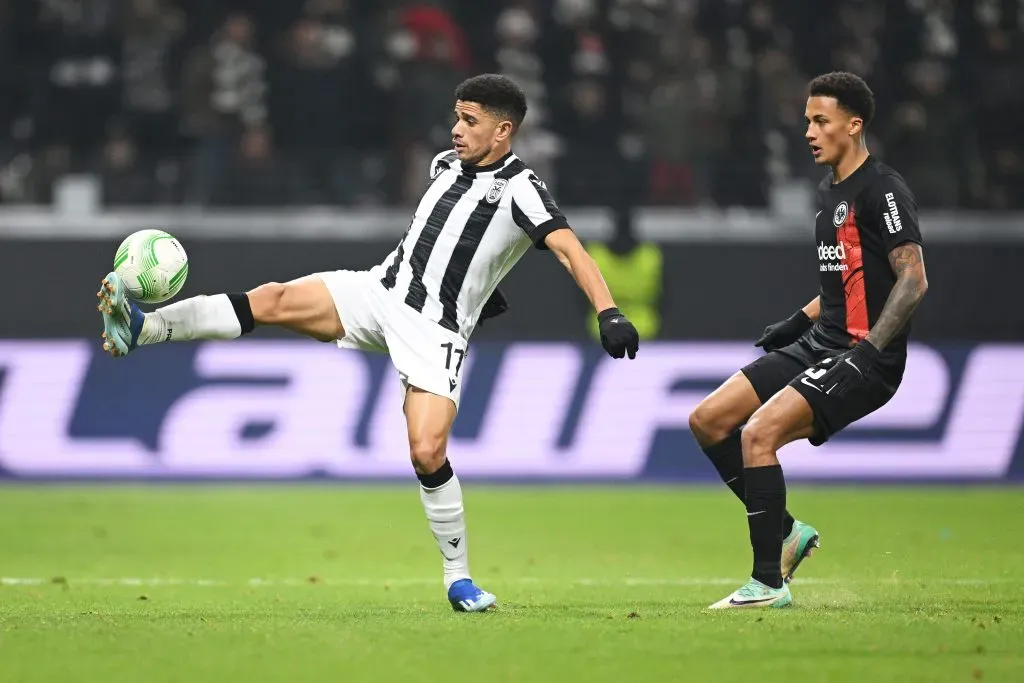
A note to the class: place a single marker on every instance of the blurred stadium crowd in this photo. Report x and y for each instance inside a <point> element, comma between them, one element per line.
<point>338,102</point>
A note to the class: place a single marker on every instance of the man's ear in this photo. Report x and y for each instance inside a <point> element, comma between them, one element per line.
<point>505,130</point>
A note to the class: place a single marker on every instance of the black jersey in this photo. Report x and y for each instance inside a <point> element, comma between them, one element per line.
<point>859,221</point>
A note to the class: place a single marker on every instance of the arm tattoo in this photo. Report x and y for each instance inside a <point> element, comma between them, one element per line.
<point>911,283</point>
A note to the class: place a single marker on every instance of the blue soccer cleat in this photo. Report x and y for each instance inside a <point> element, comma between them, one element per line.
<point>122,319</point>
<point>465,596</point>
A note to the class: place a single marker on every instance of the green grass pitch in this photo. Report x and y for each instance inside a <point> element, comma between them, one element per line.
<point>317,583</point>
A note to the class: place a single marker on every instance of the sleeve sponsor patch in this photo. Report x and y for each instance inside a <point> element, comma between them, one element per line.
<point>892,215</point>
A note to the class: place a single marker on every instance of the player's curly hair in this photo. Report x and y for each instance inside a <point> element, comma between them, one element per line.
<point>497,94</point>
<point>850,91</point>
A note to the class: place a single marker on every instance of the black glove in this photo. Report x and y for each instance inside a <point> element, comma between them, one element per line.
<point>784,333</point>
<point>495,306</point>
<point>618,336</point>
<point>850,370</point>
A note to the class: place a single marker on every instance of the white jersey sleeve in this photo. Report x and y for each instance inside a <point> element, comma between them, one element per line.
<point>442,162</point>
<point>534,209</point>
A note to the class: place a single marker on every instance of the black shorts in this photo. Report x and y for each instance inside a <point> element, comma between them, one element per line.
<point>798,364</point>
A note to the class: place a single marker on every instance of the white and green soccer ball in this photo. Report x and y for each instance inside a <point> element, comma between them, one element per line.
<point>152,264</point>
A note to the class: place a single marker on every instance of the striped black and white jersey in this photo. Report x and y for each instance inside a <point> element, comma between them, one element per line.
<point>471,226</point>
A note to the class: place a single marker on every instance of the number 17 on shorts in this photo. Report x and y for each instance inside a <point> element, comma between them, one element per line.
<point>456,355</point>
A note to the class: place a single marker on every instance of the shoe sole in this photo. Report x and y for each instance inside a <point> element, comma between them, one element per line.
<point>807,552</point>
<point>110,289</point>
<point>782,602</point>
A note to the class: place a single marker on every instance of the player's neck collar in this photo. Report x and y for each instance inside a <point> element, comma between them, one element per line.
<point>869,161</point>
<point>489,167</point>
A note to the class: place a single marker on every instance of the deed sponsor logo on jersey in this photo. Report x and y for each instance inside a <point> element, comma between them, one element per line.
<point>538,182</point>
<point>832,258</point>
<point>840,214</point>
<point>496,190</point>
<point>892,216</point>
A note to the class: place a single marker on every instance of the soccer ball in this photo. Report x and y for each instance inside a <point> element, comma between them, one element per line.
<point>152,264</point>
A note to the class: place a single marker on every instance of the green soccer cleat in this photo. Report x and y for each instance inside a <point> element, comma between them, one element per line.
<point>756,594</point>
<point>797,547</point>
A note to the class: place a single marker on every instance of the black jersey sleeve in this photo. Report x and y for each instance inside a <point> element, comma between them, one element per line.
<point>896,211</point>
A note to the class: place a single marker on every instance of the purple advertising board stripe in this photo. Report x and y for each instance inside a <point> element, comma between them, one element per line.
<point>294,410</point>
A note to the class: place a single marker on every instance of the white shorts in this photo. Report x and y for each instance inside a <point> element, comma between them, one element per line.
<point>426,355</point>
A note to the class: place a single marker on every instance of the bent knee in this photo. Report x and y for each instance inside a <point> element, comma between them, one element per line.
<point>427,453</point>
<point>760,437</point>
<point>711,426</point>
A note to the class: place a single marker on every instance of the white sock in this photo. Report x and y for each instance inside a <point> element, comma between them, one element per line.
<point>443,506</point>
<point>200,317</point>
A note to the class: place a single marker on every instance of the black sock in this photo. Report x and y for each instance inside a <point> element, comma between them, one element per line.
<point>766,504</point>
<point>441,477</point>
<point>243,311</point>
<point>727,457</point>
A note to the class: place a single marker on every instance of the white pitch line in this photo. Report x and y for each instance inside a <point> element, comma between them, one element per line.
<point>381,583</point>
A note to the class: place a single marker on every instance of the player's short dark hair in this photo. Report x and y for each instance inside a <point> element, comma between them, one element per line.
<point>497,94</point>
<point>850,91</point>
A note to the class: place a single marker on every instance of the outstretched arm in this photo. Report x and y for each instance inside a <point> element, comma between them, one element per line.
<point>567,248</point>
<point>907,263</point>
<point>535,211</point>
<point>618,336</point>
